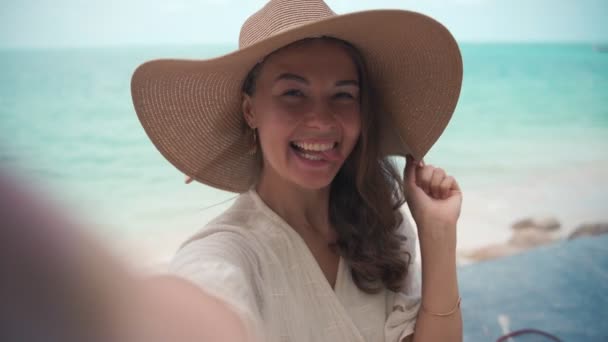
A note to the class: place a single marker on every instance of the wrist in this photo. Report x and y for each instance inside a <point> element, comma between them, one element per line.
<point>439,283</point>
<point>438,256</point>
<point>438,264</point>
<point>437,237</point>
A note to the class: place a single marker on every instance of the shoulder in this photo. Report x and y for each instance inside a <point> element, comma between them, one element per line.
<point>224,265</point>
<point>218,255</point>
<point>239,223</point>
<point>240,235</point>
<point>222,261</point>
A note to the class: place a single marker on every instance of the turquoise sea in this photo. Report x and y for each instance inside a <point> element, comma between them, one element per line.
<point>529,137</point>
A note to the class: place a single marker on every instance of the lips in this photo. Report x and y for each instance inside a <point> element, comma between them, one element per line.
<point>317,151</point>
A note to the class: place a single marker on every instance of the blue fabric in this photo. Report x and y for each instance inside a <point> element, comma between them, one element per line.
<point>561,289</point>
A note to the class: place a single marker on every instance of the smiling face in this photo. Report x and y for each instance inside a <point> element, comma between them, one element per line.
<point>306,109</point>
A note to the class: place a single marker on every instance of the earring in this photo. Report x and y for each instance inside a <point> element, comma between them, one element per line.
<point>254,145</point>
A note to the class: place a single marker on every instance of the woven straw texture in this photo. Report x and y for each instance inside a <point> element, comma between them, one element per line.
<point>191,109</point>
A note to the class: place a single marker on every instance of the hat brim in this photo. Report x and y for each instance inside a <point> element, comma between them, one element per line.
<point>191,109</point>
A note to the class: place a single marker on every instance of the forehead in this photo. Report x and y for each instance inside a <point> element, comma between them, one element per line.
<point>324,57</point>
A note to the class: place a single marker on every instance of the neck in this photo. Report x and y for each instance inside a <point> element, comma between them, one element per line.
<point>305,210</point>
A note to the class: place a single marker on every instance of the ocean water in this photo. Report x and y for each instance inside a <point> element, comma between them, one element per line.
<point>529,137</point>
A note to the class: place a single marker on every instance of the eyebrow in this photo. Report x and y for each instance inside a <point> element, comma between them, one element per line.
<point>293,77</point>
<point>347,82</point>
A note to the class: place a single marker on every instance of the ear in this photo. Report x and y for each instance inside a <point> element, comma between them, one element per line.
<point>247,108</point>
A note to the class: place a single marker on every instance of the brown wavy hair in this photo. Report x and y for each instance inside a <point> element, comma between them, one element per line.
<point>365,195</point>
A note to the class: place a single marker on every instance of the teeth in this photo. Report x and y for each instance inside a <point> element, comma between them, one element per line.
<point>310,156</point>
<point>314,147</point>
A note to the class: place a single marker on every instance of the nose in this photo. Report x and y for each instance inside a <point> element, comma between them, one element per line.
<point>321,116</point>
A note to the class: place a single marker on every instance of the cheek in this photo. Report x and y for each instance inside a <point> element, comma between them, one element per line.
<point>271,116</point>
<point>276,113</point>
<point>275,129</point>
<point>278,125</point>
<point>351,124</point>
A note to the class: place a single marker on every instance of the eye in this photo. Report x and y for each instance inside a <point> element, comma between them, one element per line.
<point>344,95</point>
<point>293,92</point>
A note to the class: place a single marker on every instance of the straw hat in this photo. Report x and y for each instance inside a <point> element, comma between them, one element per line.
<point>191,109</point>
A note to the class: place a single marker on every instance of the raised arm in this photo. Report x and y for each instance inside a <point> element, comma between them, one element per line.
<point>435,199</point>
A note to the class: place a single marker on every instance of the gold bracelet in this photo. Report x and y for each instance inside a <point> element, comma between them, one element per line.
<point>446,313</point>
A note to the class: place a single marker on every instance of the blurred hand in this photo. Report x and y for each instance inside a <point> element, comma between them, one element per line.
<point>61,284</point>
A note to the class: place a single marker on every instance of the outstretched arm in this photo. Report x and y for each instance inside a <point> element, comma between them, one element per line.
<point>59,284</point>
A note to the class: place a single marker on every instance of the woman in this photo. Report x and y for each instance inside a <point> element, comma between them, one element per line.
<point>300,121</point>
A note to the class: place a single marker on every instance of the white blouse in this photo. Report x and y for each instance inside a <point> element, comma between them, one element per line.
<point>253,260</point>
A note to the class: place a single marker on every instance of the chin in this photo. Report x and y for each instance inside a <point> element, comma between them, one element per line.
<point>315,179</point>
<point>313,183</point>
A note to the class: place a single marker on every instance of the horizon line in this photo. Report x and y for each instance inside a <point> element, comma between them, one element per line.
<point>233,45</point>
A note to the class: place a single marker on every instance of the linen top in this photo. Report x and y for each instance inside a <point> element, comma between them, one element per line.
<point>251,259</point>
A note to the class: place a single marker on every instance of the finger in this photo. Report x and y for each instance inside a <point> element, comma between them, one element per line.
<point>446,186</point>
<point>436,179</point>
<point>423,177</point>
<point>188,180</point>
<point>410,166</point>
<point>455,187</point>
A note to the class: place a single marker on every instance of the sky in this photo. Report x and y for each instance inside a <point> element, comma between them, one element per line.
<point>43,23</point>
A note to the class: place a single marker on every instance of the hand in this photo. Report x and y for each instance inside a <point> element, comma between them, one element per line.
<point>434,199</point>
<point>88,293</point>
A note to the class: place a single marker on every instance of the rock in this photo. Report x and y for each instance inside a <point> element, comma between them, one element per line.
<point>543,223</point>
<point>492,252</point>
<point>589,229</point>
<point>521,240</point>
<point>530,233</point>
<point>529,238</point>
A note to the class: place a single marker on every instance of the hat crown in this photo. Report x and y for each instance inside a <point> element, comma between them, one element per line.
<point>281,15</point>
